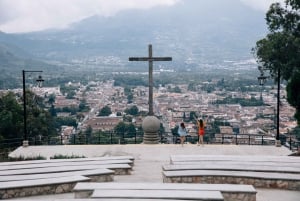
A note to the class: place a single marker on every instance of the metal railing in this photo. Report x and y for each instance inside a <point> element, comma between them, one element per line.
<point>137,138</point>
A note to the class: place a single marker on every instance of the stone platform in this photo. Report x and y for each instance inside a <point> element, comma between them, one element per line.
<point>149,160</point>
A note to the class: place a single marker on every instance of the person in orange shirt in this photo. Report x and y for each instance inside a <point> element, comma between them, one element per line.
<point>201,130</point>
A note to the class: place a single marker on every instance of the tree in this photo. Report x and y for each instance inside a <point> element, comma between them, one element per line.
<point>51,99</point>
<point>39,121</point>
<point>131,131</point>
<point>83,107</point>
<point>279,50</point>
<point>11,117</point>
<point>134,110</point>
<point>105,111</point>
<point>292,97</point>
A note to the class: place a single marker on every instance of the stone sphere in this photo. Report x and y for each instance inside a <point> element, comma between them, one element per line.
<point>151,124</point>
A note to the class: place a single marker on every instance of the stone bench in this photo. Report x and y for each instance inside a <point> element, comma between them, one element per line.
<point>105,160</point>
<point>16,166</point>
<point>44,163</point>
<point>192,158</point>
<point>95,175</point>
<point>257,179</point>
<point>244,163</point>
<point>119,169</point>
<point>230,192</point>
<point>158,194</point>
<point>12,189</point>
<point>232,167</point>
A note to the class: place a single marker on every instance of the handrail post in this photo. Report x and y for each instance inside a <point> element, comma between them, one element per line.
<point>249,143</point>
<point>111,137</point>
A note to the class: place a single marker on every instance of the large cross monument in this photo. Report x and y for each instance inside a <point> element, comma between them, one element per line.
<point>150,124</point>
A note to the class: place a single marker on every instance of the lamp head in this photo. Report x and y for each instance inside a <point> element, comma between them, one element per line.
<point>40,81</point>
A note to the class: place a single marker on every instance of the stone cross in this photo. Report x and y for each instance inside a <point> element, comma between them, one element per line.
<point>150,59</point>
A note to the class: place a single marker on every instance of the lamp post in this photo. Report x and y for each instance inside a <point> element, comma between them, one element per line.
<point>278,143</point>
<point>39,81</point>
<point>262,80</point>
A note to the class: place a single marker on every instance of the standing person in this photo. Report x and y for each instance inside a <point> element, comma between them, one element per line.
<point>182,132</point>
<point>201,131</point>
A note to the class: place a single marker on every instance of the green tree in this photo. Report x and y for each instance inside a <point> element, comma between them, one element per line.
<point>279,50</point>
<point>51,99</point>
<point>130,98</point>
<point>65,121</point>
<point>105,111</point>
<point>120,128</point>
<point>134,110</point>
<point>11,117</point>
<point>293,98</point>
<point>39,121</point>
<point>177,89</point>
<point>83,107</point>
<point>131,131</point>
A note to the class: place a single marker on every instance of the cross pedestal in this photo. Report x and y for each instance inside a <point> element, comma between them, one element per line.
<point>150,124</point>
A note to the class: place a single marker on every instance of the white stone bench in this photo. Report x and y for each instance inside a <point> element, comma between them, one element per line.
<point>244,163</point>
<point>12,189</point>
<point>158,194</point>
<point>230,192</point>
<point>118,168</point>
<point>231,167</point>
<point>257,179</point>
<point>15,166</point>
<point>105,158</point>
<point>276,159</point>
<point>95,175</point>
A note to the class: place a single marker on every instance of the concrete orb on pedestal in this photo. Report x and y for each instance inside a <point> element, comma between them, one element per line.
<point>151,126</point>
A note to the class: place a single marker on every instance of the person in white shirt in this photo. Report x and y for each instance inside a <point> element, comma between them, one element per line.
<point>182,132</point>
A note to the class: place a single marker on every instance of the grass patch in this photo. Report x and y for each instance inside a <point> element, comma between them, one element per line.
<point>22,158</point>
<point>60,156</point>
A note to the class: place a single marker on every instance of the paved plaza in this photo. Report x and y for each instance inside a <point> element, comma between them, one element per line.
<point>149,160</point>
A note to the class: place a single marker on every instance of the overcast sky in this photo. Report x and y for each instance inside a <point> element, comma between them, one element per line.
<point>36,15</point>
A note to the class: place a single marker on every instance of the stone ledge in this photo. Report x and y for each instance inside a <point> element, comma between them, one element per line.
<point>230,192</point>
<point>227,179</point>
<point>159,194</point>
<point>39,187</point>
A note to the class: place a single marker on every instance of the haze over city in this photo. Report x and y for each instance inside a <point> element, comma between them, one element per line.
<point>19,16</point>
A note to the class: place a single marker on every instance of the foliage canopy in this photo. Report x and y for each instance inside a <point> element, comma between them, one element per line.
<point>279,51</point>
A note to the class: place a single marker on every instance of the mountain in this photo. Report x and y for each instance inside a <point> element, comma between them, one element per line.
<point>193,32</point>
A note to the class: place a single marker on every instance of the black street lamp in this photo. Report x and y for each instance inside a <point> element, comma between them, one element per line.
<point>39,81</point>
<point>278,143</point>
<point>262,80</point>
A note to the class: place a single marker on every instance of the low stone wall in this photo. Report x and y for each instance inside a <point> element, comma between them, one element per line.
<point>122,171</point>
<point>101,178</point>
<point>256,182</point>
<point>36,190</point>
<point>239,196</point>
<point>48,188</point>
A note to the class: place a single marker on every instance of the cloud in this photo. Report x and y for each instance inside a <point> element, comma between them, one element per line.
<point>262,5</point>
<point>36,15</point>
